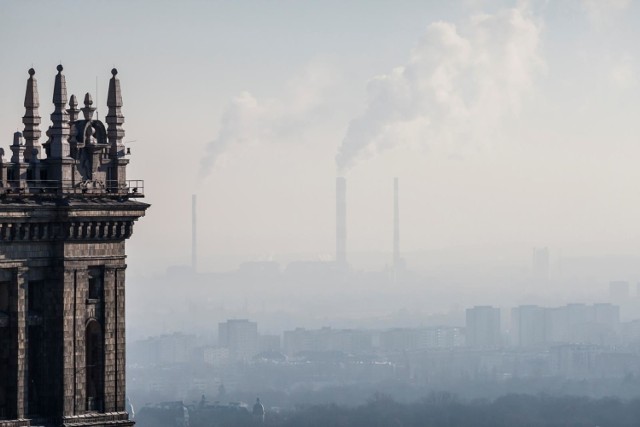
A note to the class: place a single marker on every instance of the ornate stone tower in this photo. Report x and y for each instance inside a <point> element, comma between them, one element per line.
<point>65,215</point>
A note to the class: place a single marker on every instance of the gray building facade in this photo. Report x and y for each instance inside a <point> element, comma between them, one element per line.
<point>482,327</point>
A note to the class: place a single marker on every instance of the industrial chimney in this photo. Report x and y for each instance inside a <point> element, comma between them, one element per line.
<point>194,235</point>
<point>341,220</point>
<point>396,226</point>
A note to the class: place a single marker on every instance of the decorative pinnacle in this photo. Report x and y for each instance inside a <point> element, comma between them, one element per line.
<point>31,118</point>
<point>73,109</point>
<point>114,117</point>
<point>31,96</point>
<point>17,139</point>
<point>18,148</point>
<point>114,96</point>
<point>59,144</point>
<point>60,89</point>
<point>88,109</point>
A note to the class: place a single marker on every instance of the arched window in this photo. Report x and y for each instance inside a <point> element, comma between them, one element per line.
<point>94,342</point>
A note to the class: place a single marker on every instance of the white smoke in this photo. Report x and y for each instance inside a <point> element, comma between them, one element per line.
<point>248,120</point>
<point>456,89</point>
<point>602,13</point>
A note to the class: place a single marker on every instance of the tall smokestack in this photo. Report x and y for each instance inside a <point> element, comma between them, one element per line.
<point>194,234</point>
<point>396,225</point>
<point>341,220</point>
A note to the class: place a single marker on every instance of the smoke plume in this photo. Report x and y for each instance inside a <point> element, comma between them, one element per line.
<point>456,88</point>
<point>248,120</point>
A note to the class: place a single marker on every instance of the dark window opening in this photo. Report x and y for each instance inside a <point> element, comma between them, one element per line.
<point>35,370</point>
<point>43,175</point>
<point>35,295</point>
<point>35,349</point>
<point>3,402</point>
<point>96,283</point>
<point>94,366</point>
<point>4,296</point>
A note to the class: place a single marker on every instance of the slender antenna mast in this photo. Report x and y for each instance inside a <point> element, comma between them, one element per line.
<point>97,103</point>
<point>194,235</point>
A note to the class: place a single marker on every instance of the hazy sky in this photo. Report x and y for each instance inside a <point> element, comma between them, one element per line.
<point>508,123</point>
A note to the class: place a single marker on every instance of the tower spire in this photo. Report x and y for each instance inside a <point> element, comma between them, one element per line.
<point>88,109</point>
<point>73,109</point>
<point>31,119</point>
<point>114,117</point>
<point>59,131</point>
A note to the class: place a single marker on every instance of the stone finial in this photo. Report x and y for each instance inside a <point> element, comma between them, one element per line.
<point>17,139</point>
<point>60,89</point>
<point>73,109</point>
<point>114,117</point>
<point>90,137</point>
<point>59,131</point>
<point>31,119</point>
<point>88,109</point>
<point>18,148</point>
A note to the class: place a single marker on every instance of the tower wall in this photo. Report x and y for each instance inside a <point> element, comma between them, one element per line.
<point>63,227</point>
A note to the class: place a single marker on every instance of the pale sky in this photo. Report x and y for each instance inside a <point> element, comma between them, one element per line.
<point>508,123</point>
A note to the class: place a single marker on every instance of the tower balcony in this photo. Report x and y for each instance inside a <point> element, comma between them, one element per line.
<point>55,188</point>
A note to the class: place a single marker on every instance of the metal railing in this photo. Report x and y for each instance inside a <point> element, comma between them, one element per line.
<point>54,188</point>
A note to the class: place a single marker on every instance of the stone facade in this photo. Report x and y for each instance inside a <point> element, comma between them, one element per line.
<point>64,219</point>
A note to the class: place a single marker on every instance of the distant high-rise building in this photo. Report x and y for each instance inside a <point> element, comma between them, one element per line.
<point>618,291</point>
<point>483,327</point>
<point>326,339</point>
<point>163,350</point>
<point>540,264</point>
<point>269,343</point>
<point>607,314</point>
<point>528,326</point>
<point>240,336</point>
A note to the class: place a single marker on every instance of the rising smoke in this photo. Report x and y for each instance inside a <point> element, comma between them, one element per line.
<point>249,120</point>
<point>457,86</point>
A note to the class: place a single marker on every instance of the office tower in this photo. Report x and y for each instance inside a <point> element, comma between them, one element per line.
<point>483,327</point>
